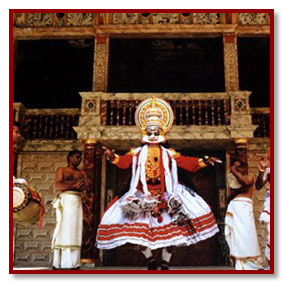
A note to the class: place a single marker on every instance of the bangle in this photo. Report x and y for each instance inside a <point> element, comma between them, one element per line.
<point>201,163</point>
<point>116,159</point>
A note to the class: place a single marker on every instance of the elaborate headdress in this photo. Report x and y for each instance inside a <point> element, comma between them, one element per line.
<point>154,112</point>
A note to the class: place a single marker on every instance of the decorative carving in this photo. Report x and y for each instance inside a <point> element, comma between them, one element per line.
<point>90,106</point>
<point>101,63</point>
<point>231,62</point>
<point>206,18</point>
<point>165,18</point>
<point>19,19</point>
<point>39,19</point>
<point>125,18</point>
<point>185,18</point>
<point>253,18</point>
<point>145,18</point>
<point>79,19</point>
<point>240,105</point>
<point>60,19</point>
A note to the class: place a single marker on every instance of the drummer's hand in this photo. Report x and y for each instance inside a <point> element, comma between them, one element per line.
<point>211,160</point>
<point>78,185</point>
<point>109,154</point>
<point>263,163</point>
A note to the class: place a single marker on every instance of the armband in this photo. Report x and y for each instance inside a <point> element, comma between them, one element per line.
<point>116,159</point>
<point>201,162</point>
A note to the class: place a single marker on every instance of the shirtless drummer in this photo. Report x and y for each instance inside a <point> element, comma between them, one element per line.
<point>67,237</point>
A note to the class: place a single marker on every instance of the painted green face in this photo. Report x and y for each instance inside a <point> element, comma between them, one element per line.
<point>153,135</point>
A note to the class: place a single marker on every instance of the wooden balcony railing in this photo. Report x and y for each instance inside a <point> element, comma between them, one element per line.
<point>50,123</point>
<point>261,117</point>
<point>187,112</point>
<point>115,110</point>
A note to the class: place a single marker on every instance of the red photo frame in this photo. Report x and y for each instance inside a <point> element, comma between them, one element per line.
<point>36,271</point>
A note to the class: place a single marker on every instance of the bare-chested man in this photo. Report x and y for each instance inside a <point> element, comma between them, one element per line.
<point>67,236</point>
<point>262,179</point>
<point>240,229</point>
<point>71,178</point>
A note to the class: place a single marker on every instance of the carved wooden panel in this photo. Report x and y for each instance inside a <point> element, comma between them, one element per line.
<point>39,19</point>
<point>125,18</point>
<point>253,18</point>
<point>231,62</point>
<point>206,18</point>
<point>19,19</point>
<point>165,18</point>
<point>89,19</point>
<point>101,63</point>
<point>79,19</point>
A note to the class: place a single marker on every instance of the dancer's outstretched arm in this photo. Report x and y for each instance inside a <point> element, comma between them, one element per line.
<point>121,161</point>
<point>193,164</point>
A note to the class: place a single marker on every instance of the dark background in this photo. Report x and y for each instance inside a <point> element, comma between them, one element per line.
<point>51,73</point>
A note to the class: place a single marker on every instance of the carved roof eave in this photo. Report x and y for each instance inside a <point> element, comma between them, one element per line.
<point>140,30</point>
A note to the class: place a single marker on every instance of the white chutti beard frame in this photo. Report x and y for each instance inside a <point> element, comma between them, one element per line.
<point>153,139</point>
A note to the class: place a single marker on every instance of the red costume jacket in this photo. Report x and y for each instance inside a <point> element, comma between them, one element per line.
<point>155,169</point>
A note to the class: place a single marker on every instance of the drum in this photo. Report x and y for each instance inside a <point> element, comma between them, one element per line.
<point>27,203</point>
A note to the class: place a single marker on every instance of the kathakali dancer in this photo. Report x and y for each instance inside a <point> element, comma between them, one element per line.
<point>157,211</point>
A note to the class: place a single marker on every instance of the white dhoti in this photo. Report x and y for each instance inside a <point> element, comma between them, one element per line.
<point>265,217</point>
<point>67,237</point>
<point>241,235</point>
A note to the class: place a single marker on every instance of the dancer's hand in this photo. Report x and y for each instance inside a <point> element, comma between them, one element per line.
<point>263,164</point>
<point>109,154</point>
<point>211,160</point>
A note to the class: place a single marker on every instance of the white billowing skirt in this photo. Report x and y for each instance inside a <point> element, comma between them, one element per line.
<point>116,229</point>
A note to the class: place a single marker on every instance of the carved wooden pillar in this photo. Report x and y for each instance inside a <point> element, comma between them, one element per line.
<point>100,68</point>
<point>231,62</point>
<point>91,201</point>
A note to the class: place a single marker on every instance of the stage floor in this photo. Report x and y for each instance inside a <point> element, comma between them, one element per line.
<point>134,268</point>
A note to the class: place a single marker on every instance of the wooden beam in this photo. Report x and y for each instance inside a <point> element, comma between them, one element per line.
<point>53,32</point>
<point>164,28</point>
<point>139,30</point>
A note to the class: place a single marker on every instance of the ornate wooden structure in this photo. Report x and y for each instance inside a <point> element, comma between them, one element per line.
<point>209,121</point>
